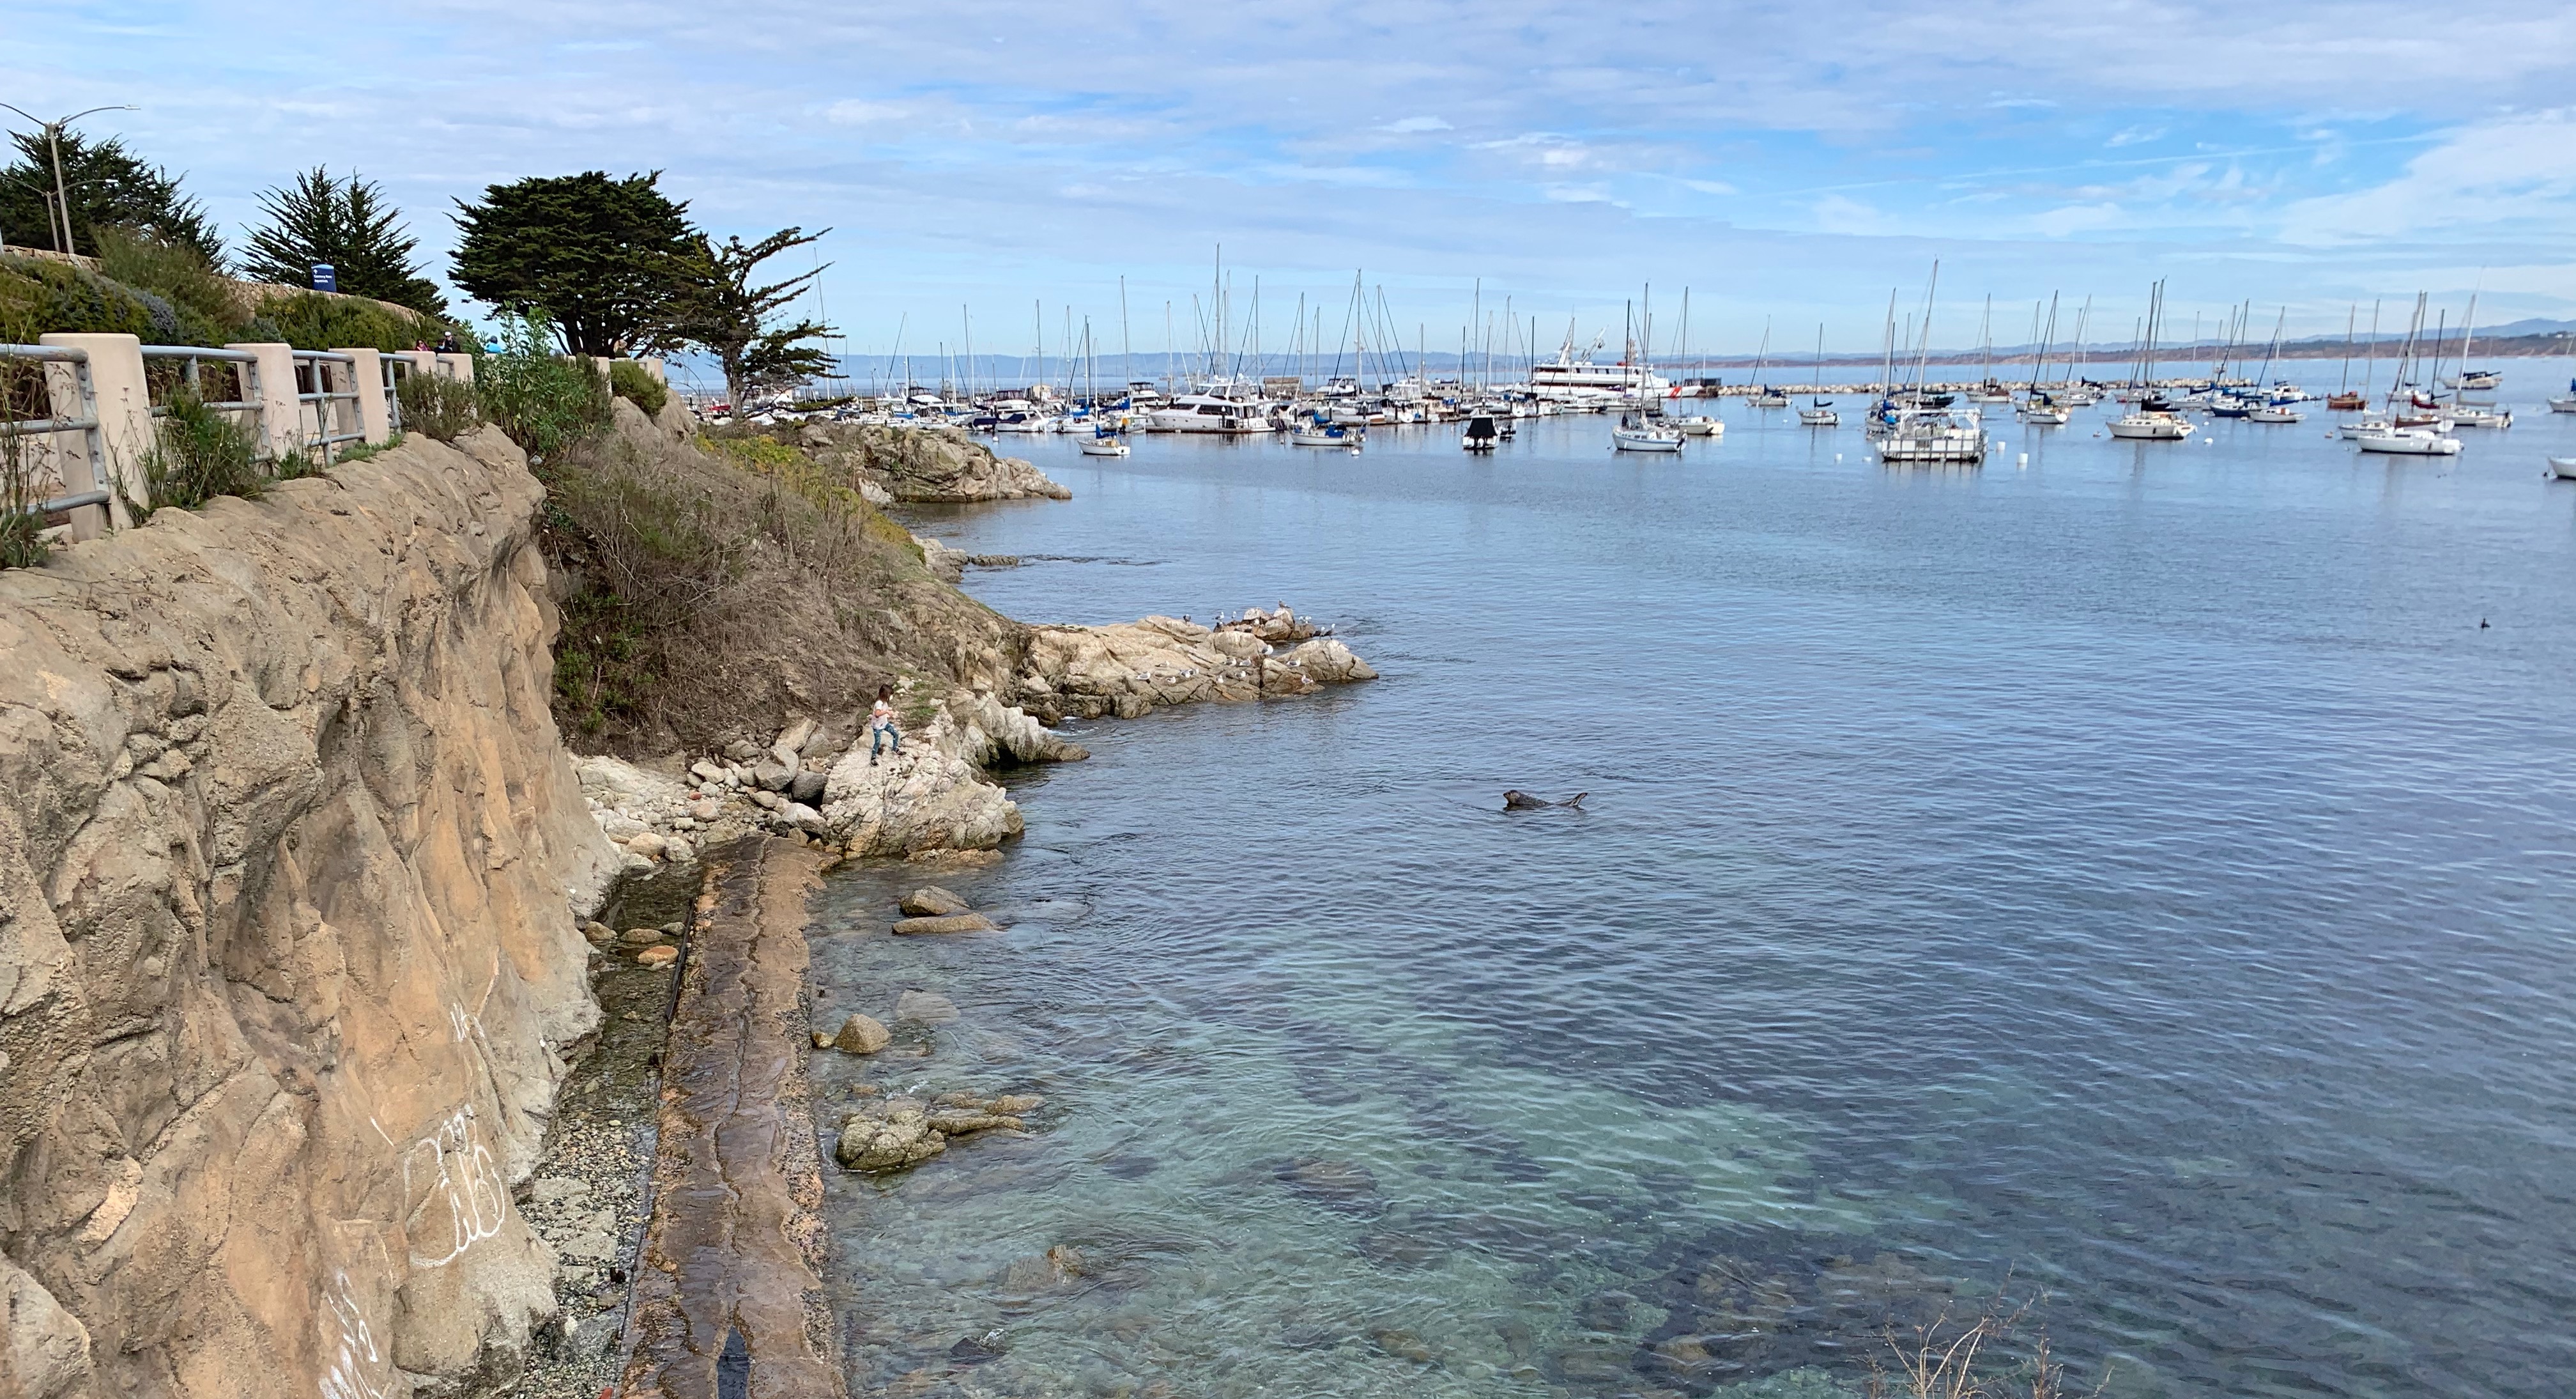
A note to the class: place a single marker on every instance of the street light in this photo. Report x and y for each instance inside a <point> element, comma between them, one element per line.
<point>53,131</point>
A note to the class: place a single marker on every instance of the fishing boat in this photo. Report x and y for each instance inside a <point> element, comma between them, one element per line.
<point>2408,442</point>
<point>1480,435</point>
<point>1634,434</point>
<point>1933,437</point>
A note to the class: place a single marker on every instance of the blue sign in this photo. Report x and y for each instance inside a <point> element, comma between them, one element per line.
<point>325,278</point>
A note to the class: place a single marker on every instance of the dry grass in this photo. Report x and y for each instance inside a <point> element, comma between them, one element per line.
<point>714,594</point>
<point>1953,1358</point>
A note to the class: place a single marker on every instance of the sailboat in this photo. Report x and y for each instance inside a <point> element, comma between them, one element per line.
<point>2273,412</point>
<point>1765,396</point>
<point>2463,412</point>
<point>2345,398</point>
<point>1819,413</point>
<point>1105,440</point>
<point>2042,409</point>
<point>2564,402</point>
<point>1988,390</point>
<point>2153,420</point>
<point>1918,433</point>
<point>1635,432</point>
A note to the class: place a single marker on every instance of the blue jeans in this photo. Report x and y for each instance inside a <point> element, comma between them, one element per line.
<point>881,735</point>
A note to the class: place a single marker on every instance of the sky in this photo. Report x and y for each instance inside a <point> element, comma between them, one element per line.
<point>987,166</point>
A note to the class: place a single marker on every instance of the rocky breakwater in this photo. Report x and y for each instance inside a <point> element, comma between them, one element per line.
<point>289,868</point>
<point>929,466</point>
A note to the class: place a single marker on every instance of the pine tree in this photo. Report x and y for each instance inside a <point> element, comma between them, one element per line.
<point>730,317</point>
<point>107,186</point>
<point>607,260</point>
<point>348,224</point>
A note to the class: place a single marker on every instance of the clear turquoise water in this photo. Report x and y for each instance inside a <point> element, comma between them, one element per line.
<point>2137,871</point>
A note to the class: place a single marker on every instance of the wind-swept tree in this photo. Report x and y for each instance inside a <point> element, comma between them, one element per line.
<point>608,261</point>
<point>348,224</point>
<point>106,187</point>
<point>729,313</point>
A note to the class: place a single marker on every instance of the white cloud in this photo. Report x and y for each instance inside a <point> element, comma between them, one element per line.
<point>2495,176</point>
<point>856,112</point>
<point>1411,126</point>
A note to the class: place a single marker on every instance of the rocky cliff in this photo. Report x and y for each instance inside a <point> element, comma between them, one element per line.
<point>288,864</point>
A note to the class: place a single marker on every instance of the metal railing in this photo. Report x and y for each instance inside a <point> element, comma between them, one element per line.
<point>92,450</point>
<point>314,371</point>
<point>191,360</point>
<point>397,367</point>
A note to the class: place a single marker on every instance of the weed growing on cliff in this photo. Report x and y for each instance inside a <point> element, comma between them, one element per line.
<point>436,406</point>
<point>197,454</point>
<point>837,499</point>
<point>364,450</point>
<point>543,402</point>
<point>22,540</point>
<point>628,381</point>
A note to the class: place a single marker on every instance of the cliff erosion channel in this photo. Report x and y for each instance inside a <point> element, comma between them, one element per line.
<point>305,1085</point>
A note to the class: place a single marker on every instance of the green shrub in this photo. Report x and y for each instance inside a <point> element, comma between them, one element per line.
<point>312,320</point>
<point>22,544</point>
<point>543,401</point>
<point>628,381</point>
<point>436,406</point>
<point>198,454</point>
<point>65,297</point>
<point>206,310</point>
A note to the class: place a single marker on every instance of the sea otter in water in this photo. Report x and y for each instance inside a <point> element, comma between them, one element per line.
<point>1523,801</point>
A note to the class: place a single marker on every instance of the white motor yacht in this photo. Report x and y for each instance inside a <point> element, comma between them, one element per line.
<point>2275,413</point>
<point>2408,442</point>
<point>1198,412</point>
<point>1700,425</point>
<point>2480,415</point>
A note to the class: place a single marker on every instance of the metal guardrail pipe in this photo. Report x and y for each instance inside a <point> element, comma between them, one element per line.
<point>190,357</point>
<point>314,367</point>
<point>88,460</point>
<point>61,503</point>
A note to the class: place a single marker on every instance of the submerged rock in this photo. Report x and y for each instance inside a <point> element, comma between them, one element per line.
<point>931,901</point>
<point>924,1008</point>
<point>861,1034</point>
<point>952,923</point>
<point>1346,1186</point>
<point>888,1136</point>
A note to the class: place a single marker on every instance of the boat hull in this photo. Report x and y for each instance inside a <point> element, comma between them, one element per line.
<point>2406,444</point>
<point>2158,431</point>
<point>1625,441</point>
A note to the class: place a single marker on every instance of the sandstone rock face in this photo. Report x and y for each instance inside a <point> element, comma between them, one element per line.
<point>289,873</point>
<point>1135,667</point>
<point>928,465</point>
<point>927,797</point>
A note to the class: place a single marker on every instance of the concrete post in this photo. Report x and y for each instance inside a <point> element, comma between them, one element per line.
<point>124,403</point>
<point>459,367</point>
<point>375,416</point>
<point>423,361</point>
<point>281,413</point>
<point>653,366</point>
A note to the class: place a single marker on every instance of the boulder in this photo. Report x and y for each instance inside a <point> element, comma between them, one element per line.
<point>640,937</point>
<point>647,844</point>
<point>807,787</point>
<point>888,1136</point>
<point>706,771</point>
<point>950,923</point>
<point>773,775</point>
<point>861,1034</point>
<point>805,818</point>
<point>658,955</point>
<point>924,1008</point>
<point>931,901</point>
<point>793,738</point>
<point>598,934</point>
<point>678,851</point>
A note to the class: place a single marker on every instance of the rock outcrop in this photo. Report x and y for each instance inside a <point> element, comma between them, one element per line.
<point>1134,667</point>
<point>288,875</point>
<point>931,466</point>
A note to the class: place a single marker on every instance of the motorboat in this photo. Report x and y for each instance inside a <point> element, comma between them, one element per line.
<point>2564,468</point>
<point>1314,434</point>
<point>2476,381</point>
<point>2347,402</point>
<point>1480,435</point>
<point>1933,436</point>
<point>1820,414</point>
<point>2275,413</point>
<point>1197,412</point>
<point>1634,434</point>
<point>2480,415</point>
<point>2369,421</point>
<point>1700,425</point>
<point>2408,442</point>
<point>2153,420</point>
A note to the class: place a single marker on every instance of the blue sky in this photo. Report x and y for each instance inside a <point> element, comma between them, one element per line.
<point>1789,163</point>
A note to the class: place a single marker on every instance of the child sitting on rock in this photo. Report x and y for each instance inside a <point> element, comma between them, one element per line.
<point>881,725</point>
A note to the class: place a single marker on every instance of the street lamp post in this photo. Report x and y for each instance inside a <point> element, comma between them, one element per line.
<point>53,131</point>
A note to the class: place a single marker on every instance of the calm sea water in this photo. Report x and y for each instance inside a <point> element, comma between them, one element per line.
<point>2137,874</point>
